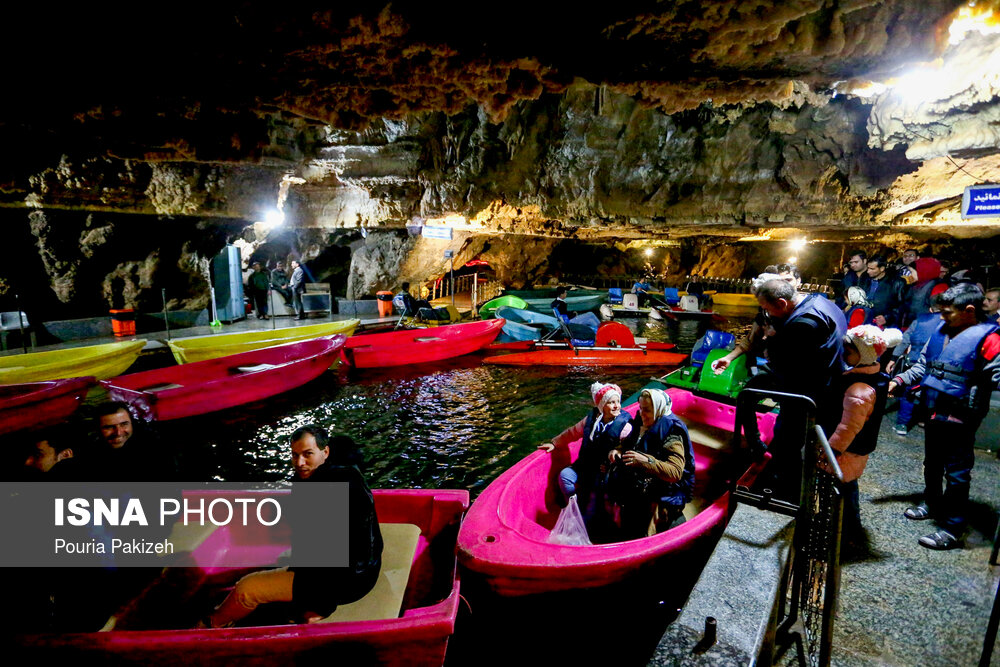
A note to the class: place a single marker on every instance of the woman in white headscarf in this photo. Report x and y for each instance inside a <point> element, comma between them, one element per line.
<point>658,477</point>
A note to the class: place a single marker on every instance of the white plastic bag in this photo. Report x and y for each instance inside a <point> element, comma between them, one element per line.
<point>569,528</point>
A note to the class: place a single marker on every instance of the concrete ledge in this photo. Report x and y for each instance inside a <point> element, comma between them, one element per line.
<point>739,588</point>
<point>99,327</point>
<point>359,307</point>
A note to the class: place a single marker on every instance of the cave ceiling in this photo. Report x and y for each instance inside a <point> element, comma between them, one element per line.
<point>631,120</point>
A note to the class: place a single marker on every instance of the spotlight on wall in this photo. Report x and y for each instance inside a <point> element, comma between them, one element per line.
<point>793,260</point>
<point>274,217</point>
<point>649,252</point>
<point>798,244</point>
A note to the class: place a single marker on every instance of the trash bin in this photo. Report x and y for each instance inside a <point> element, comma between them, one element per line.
<point>123,322</point>
<point>384,303</point>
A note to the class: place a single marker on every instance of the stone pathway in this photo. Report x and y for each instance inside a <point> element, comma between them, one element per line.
<point>908,605</point>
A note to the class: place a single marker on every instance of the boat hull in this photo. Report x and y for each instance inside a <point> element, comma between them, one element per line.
<point>579,304</point>
<point>40,404</point>
<point>216,384</point>
<point>504,539</point>
<point>418,637</point>
<point>100,361</point>
<point>488,309</point>
<point>401,348</point>
<point>202,348</point>
<point>589,356</point>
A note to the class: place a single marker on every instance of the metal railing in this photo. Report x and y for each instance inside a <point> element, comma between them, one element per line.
<point>809,590</point>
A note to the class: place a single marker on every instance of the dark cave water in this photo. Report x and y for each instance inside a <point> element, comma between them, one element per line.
<point>454,424</point>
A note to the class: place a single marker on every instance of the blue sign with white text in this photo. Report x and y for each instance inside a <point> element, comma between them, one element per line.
<point>981,201</point>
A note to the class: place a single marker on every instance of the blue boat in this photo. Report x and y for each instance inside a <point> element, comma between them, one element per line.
<point>579,304</point>
<point>526,324</point>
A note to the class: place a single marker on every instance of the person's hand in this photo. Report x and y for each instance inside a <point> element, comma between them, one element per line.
<point>879,320</point>
<point>892,386</point>
<point>614,455</point>
<point>546,447</point>
<point>720,365</point>
<point>632,459</point>
<point>889,366</point>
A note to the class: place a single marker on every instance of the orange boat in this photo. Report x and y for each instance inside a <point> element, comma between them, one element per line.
<point>614,345</point>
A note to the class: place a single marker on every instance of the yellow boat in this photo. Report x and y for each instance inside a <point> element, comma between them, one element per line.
<point>102,361</point>
<point>736,300</point>
<point>200,348</point>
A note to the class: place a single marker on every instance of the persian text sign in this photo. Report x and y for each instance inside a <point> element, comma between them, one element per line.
<point>981,201</point>
<point>158,524</point>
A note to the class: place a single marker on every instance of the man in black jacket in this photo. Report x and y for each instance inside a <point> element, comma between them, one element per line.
<point>315,591</point>
<point>885,293</point>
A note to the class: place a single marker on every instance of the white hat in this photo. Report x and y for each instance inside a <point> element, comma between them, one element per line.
<point>603,392</point>
<point>872,342</point>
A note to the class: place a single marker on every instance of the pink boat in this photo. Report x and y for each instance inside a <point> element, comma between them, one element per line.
<point>504,539</point>
<point>215,384</point>
<point>39,404</point>
<point>416,635</point>
<point>414,346</point>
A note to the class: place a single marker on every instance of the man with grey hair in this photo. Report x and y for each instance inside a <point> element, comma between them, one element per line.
<point>805,355</point>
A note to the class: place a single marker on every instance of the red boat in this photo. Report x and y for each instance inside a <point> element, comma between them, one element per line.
<point>589,356</point>
<point>216,384</point>
<point>419,580</point>
<point>39,404</point>
<point>504,539</point>
<point>414,346</point>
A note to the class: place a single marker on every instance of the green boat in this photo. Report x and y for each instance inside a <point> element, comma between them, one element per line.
<point>488,309</point>
<point>694,377</point>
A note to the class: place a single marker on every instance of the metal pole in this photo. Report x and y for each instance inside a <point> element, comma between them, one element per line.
<point>166,320</point>
<point>475,294</point>
<point>452,260</point>
<point>20,322</point>
<point>270,304</point>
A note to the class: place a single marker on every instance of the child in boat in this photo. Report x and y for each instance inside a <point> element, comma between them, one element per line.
<point>655,473</point>
<point>602,430</point>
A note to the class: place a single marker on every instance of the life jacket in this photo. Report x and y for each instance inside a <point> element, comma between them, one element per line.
<point>951,370</point>
<point>675,494</point>
<point>594,450</point>
<point>920,332</point>
<point>867,438</point>
<point>830,351</point>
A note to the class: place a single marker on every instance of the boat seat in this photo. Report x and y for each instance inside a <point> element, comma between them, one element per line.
<point>712,340</point>
<point>671,295</point>
<point>630,301</point>
<point>615,295</point>
<point>712,437</point>
<point>385,600</point>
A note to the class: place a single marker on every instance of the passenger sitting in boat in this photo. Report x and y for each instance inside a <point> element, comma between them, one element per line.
<point>315,591</point>
<point>641,288</point>
<point>696,288</point>
<point>559,305</point>
<point>658,476</point>
<point>50,454</point>
<point>128,449</point>
<point>602,430</point>
<point>412,306</point>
